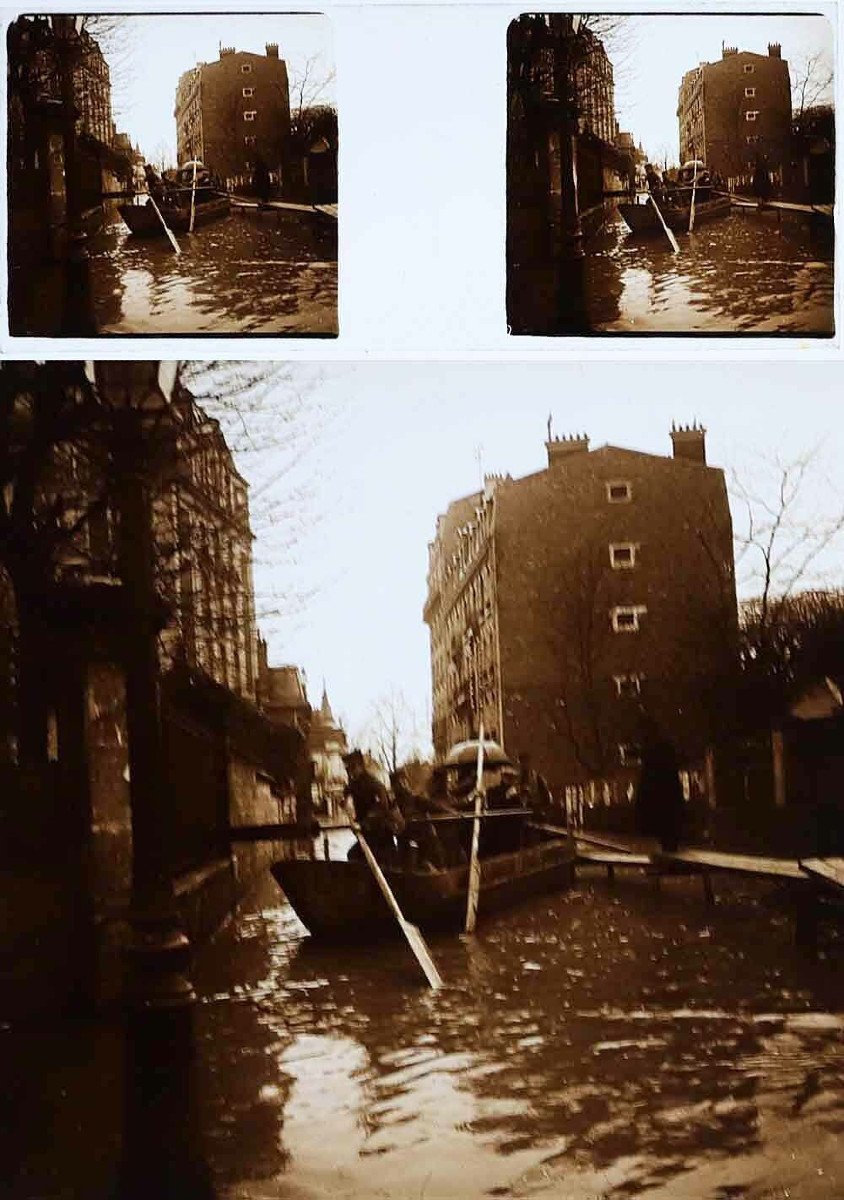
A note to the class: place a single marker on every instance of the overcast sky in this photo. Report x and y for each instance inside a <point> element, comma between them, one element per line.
<point>387,446</point>
<point>651,54</point>
<point>147,54</point>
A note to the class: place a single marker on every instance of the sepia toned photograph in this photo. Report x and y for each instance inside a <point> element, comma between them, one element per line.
<point>406,793</point>
<point>670,174</point>
<point>171,175</point>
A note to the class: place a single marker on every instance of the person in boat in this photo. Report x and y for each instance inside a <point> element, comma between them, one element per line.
<point>419,844</point>
<point>379,819</point>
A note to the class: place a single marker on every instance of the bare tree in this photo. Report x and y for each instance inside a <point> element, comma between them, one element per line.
<point>392,730</point>
<point>812,78</point>
<point>783,536</point>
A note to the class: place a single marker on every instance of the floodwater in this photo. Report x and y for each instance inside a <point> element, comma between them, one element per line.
<point>605,1043</point>
<point>747,273</point>
<point>271,272</point>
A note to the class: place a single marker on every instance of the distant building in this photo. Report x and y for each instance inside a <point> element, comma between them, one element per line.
<point>327,744</point>
<point>560,603</point>
<point>736,114</point>
<point>284,700</point>
<point>232,112</point>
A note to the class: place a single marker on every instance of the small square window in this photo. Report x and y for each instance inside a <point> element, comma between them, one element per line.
<point>751,116</point>
<point>247,92</point>
<point>249,140</point>
<point>249,116</point>
<point>246,69</point>
<point>750,91</point>
<point>622,555</point>
<point>619,491</point>
<point>748,68</point>
<point>629,754</point>
<point>628,686</point>
<point>626,617</point>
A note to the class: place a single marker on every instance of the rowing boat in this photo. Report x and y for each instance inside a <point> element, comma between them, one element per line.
<point>338,899</point>
<point>643,221</point>
<point>144,222</point>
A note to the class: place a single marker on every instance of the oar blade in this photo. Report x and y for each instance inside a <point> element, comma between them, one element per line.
<point>420,949</point>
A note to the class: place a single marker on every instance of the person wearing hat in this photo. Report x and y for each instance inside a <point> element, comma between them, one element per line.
<point>372,808</point>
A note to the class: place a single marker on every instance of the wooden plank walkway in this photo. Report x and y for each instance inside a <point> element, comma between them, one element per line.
<point>808,210</point>
<point>746,864</point>
<point>827,870</point>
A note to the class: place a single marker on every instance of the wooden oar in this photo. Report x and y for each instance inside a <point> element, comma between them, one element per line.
<point>193,199</point>
<point>412,935</point>
<point>474,862</point>
<point>668,232</point>
<point>692,208</point>
<point>173,241</point>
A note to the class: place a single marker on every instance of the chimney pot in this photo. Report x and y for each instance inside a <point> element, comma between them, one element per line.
<point>689,442</point>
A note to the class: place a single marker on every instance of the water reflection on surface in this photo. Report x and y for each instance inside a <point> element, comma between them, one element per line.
<point>247,273</point>
<point>739,274</point>
<point>595,1044</point>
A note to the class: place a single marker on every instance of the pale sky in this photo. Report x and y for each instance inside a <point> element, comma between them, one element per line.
<point>147,54</point>
<point>387,446</point>
<point>650,55</point>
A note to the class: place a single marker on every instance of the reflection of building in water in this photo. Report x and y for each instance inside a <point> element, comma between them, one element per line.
<point>560,602</point>
<point>736,113</point>
<point>232,112</point>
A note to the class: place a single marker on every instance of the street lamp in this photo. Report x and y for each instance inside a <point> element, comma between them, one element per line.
<point>78,318</point>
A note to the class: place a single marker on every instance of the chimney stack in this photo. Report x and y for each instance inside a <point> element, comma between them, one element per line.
<point>774,50</point>
<point>689,442</point>
<point>272,49</point>
<point>563,447</point>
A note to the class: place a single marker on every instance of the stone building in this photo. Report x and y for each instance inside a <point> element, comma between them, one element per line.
<point>562,603</point>
<point>327,744</point>
<point>736,114</point>
<point>233,112</point>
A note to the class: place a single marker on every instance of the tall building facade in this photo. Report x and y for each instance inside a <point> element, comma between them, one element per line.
<point>736,113</point>
<point>232,112</point>
<point>562,604</point>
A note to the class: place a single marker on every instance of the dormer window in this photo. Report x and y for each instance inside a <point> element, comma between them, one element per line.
<point>619,491</point>
<point>622,555</point>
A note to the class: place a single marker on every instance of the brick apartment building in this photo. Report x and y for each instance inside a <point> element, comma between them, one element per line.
<point>234,111</point>
<point>736,113</point>
<point>562,603</point>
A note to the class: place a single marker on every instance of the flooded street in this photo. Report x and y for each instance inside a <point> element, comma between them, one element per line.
<point>270,272</point>
<point>604,1043</point>
<point>744,273</point>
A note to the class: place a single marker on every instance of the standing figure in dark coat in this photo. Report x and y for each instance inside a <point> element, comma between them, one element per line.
<point>261,182</point>
<point>374,812</point>
<point>659,796</point>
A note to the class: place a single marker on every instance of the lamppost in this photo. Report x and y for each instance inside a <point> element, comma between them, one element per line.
<point>564,34</point>
<point>160,1155</point>
<point>78,318</point>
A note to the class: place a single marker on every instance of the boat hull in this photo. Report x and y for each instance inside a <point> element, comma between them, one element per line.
<point>143,221</point>
<point>642,219</point>
<point>340,900</point>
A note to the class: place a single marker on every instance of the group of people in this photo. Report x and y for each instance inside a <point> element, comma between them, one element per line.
<point>673,188</point>
<point>401,827</point>
<point>400,824</point>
